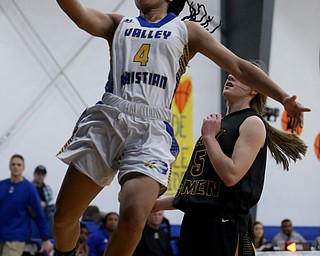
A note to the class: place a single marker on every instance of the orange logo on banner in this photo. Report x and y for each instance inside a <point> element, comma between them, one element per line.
<point>286,123</point>
<point>317,146</point>
<point>182,94</point>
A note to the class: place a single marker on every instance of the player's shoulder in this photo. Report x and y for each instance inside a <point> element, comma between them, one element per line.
<point>254,127</point>
<point>116,18</point>
<point>254,121</point>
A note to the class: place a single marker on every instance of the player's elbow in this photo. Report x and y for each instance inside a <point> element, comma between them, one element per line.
<point>231,180</point>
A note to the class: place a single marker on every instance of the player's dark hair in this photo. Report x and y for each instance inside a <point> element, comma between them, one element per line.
<point>176,6</point>
<point>197,13</point>
<point>284,146</point>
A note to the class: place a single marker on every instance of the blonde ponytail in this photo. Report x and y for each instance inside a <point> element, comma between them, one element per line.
<point>284,146</point>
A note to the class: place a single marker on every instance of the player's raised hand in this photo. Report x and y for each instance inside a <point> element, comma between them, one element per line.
<point>296,111</point>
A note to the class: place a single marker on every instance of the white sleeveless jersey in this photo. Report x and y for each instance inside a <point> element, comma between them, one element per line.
<point>148,60</point>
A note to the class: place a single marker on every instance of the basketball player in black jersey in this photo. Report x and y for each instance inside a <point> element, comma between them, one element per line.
<point>225,176</point>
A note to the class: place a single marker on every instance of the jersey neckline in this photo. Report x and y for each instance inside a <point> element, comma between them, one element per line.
<point>144,23</point>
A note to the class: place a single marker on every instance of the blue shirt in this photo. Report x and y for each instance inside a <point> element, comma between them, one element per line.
<point>19,202</point>
<point>97,242</point>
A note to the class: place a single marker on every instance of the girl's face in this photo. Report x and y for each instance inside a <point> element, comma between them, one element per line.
<point>112,222</point>
<point>145,5</point>
<point>258,230</point>
<point>234,89</point>
<point>232,82</point>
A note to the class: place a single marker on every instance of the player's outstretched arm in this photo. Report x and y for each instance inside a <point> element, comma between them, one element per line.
<point>90,20</point>
<point>200,40</point>
<point>163,203</point>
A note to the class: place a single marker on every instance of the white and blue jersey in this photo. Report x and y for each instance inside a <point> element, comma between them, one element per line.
<point>140,73</point>
<point>129,130</point>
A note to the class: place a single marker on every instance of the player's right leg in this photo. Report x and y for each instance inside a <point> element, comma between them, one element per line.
<point>76,193</point>
<point>137,197</point>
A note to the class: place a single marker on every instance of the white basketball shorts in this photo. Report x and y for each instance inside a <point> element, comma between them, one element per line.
<point>118,136</point>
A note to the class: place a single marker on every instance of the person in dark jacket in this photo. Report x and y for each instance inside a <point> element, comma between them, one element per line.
<point>155,241</point>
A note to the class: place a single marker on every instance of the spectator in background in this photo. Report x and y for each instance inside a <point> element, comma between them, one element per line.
<point>82,248</point>
<point>260,242</point>
<point>287,234</point>
<point>98,240</point>
<point>316,243</point>
<point>155,240</point>
<point>18,199</point>
<point>45,194</point>
<point>165,224</point>
<point>92,213</point>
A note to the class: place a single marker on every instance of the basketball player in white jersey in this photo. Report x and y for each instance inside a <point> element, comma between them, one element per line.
<point>128,132</point>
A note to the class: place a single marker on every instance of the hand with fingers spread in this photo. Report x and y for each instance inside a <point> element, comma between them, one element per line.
<point>296,111</point>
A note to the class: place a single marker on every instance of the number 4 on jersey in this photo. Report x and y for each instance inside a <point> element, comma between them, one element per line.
<point>142,55</point>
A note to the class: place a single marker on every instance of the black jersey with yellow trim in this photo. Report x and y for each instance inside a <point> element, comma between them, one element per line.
<point>202,188</point>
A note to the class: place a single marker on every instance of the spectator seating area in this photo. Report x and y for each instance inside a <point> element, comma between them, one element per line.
<point>309,233</point>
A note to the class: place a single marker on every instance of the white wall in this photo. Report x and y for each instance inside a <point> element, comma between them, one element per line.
<point>50,71</point>
<point>294,64</point>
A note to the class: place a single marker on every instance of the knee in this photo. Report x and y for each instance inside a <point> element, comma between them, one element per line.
<point>64,218</point>
<point>58,219</point>
<point>132,220</point>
